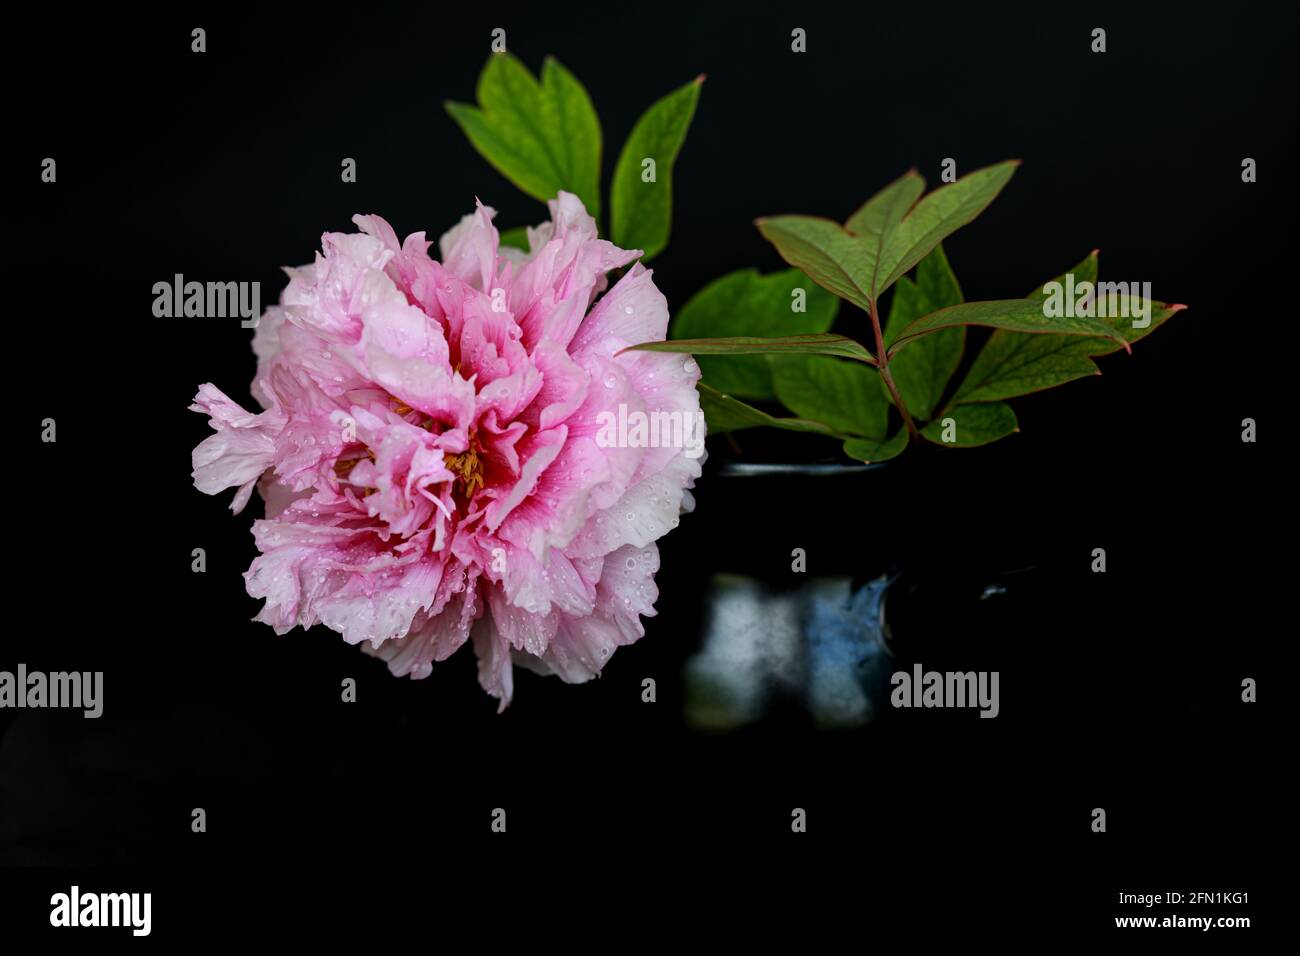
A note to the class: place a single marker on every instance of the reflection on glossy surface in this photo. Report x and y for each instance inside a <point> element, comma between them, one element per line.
<point>822,644</point>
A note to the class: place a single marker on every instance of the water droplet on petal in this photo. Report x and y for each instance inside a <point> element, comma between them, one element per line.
<point>627,309</point>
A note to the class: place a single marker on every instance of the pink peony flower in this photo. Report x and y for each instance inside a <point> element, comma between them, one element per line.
<point>431,452</point>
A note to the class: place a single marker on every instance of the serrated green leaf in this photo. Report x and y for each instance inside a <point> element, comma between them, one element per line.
<point>972,425</point>
<point>543,137</point>
<point>744,301</point>
<point>822,343</point>
<point>922,371</point>
<point>870,449</point>
<point>844,395</point>
<point>1018,315</point>
<point>640,215</point>
<point>723,413</point>
<point>1012,363</point>
<point>859,267</point>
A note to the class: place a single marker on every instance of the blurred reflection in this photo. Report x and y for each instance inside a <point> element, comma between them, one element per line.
<point>822,645</point>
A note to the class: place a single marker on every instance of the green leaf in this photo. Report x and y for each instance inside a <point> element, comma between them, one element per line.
<point>885,210</point>
<point>543,137</point>
<point>1018,315</point>
<point>516,238</point>
<point>935,279</point>
<point>822,343</point>
<point>724,414</point>
<point>746,302</point>
<point>922,371</point>
<point>833,258</point>
<point>574,129</point>
<point>936,217</point>
<point>972,425</point>
<point>860,266</point>
<point>1085,271</point>
<point>640,214</point>
<point>845,395</point>
<point>1161,312</point>
<point>1013,364</point>
<point>871,449</point>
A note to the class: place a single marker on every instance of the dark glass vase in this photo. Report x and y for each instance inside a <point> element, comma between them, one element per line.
<point>808,585</point>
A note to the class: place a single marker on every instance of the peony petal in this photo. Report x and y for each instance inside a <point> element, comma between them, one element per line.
<point>469,249</point>
<point>436,453</point>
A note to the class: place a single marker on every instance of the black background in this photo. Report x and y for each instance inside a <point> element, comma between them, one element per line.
<point>1119,691</point>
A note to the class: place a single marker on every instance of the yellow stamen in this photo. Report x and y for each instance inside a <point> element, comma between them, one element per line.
<point>343,467</point>
<point>402,409</point>
<point>468,470</point>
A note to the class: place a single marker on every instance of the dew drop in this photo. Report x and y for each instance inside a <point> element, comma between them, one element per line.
<point>609,380</point>
<point>627,309</point>
<point>630,563</point>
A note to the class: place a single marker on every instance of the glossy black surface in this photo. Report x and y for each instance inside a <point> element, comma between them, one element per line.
<point>1119,690</point>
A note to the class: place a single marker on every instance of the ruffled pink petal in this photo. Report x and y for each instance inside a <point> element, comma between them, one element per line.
<point>469,249</point>
<point>435,453</point>
<point>241,450</point>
